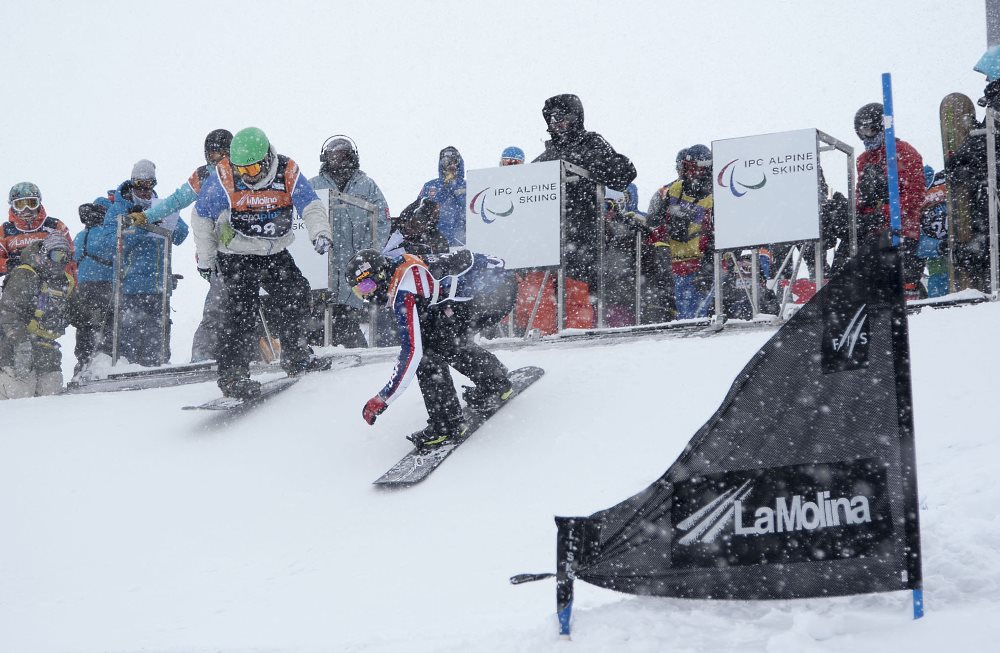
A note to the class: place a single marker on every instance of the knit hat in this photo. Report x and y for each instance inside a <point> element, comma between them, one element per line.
<point>144,169</point>
<point>54,241</point>
<point>513,152</point>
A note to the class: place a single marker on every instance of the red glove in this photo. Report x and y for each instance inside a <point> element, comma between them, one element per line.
<point>375,407</point>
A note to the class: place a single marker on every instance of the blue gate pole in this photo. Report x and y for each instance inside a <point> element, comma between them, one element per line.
<point>918,603</point>
<point>892,165</point>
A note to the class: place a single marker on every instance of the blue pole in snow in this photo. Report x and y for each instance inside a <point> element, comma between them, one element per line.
<point>918,603</point>
<point>892,165</point>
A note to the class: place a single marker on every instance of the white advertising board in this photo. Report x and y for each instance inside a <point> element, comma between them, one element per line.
<point>313,265</point>
<point>513,212</point>
<point>766,189</point>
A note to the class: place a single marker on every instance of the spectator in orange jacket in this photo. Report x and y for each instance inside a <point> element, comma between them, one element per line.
<point>873,192</point>
<point>26,223</point>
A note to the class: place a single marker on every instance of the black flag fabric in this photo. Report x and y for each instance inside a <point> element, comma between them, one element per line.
<point>802,484</point>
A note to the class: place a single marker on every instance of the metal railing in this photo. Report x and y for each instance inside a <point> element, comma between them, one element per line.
<point>119,282</point>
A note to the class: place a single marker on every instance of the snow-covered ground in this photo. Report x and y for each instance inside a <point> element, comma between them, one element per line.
<point>130,525</point>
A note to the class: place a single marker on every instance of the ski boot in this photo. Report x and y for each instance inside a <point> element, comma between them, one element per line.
<point>310,363</point>
<point>238,385</point>
<point>487,400</point>
<point>433,437</point>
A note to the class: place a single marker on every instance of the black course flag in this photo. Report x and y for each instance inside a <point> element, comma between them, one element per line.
<point>803,482</point>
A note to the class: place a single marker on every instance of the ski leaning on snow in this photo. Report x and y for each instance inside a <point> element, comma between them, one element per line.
<point>417,465</point>
<point>270,388</point>
<point>168,376</point>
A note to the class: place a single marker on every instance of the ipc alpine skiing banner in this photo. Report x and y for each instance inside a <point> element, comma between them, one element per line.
<point>802,484</point>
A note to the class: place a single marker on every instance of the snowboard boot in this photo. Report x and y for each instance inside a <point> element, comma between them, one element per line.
<point>300,366</point>
<point>487,399</point>
<point>238,385</point>
<point>433,437</point>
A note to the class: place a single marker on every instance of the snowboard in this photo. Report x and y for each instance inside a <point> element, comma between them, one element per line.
<point>271,388</point>
<point>267,390</point>
<point>958,117</point>
<point>417,465</point>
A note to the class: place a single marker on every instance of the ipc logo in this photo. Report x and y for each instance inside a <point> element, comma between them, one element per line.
<point>731,182</point>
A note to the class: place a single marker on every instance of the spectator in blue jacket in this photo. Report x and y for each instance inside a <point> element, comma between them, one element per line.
<point>143,329</point>
<point>90,306</point>
<point>206,336</point>
<point>448,190</point>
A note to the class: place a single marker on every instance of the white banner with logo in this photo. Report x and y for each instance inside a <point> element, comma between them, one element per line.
<point>514,212</point>
<point>766,189</point>
<point>313,265</point>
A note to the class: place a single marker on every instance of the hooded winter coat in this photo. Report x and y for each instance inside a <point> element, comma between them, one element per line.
<point>582,225</point>
<point>352,227</point>
<point>142,251</point>
<point>34,308</point>
<point>450,195</point>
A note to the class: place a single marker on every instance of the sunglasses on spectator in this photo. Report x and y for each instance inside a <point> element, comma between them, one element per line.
<point>58,256</point>
<point>23,203</point>
<point>251,170</point>
<point>144,184</point>
<point>510,162</point>
<point>365,287</point>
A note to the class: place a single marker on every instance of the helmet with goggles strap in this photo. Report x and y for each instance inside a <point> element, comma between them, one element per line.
<point>868,121</point>
<point>368,274</point>
<point>248,154</point>
<point>24,196</point>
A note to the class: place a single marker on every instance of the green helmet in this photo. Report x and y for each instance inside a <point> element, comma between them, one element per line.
<point>23,189</point>
<point>249,145</point>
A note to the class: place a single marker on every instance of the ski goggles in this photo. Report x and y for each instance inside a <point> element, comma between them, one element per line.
<point>251,170</point>
<point>22,203</point>
<point>144,184</point>
<point>365,287</point>
<point>510,162</point>
<point>58,256</point>
<point>869,131</point>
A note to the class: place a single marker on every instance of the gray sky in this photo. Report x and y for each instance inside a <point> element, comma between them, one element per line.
<point>92,87</point>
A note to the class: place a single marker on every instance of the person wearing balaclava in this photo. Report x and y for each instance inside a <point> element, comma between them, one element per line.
<point>448,191</point>
<point>143,328</point>
<point>872,201</point>
<point>583,220</point>
<point>340,171</point>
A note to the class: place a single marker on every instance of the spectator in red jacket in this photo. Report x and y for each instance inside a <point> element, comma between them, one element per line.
<point>873,193</point>
<point>26,223</point>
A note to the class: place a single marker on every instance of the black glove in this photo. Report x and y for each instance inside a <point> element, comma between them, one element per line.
<point>873,187</point>
<point>91,214</point>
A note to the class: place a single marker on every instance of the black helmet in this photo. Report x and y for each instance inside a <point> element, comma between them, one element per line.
<point>218,140</point>
<point>368,274</point>
<point>868,119</point>
<point>340,152</point>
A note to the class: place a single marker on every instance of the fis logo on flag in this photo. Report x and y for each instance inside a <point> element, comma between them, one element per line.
<point>845,340</point>
<point>800,513</point>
